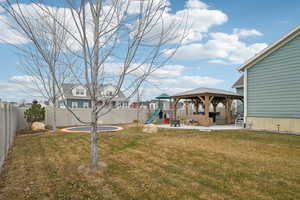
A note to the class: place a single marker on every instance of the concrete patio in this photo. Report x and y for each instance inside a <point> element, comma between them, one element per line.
<point>202,128</point>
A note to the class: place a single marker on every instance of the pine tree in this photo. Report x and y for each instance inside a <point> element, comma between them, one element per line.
<point>36,113</point>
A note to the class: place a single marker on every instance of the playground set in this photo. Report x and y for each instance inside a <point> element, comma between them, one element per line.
<point>161,114</point>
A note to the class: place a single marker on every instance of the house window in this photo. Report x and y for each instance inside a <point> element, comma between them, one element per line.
<point>109,93</point>
<point>86,104</point>
<point>74,104</point>
<point>80,92</point>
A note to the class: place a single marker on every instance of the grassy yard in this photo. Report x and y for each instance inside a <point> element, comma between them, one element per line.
<point>167,165</point>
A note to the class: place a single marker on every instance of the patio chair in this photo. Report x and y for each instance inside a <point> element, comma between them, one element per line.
<point>175,123</point>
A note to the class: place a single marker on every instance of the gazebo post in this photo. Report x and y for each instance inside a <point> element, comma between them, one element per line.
<point>186,108</point>
<point>226,110</point>
<point>174,105</point>
<point>228,103</point>
<point>229,110</point>
<point>215,107</point>
<point>206,110</point>
<point>197,106</point>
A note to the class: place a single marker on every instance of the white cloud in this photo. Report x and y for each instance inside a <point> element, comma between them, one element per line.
<point>22,86</point>
<point>151,93</point>
<point>189,23</point>
<point>200,19</point>
<point>195,4</point>
<point>33,11</point>
<point>169,71</point>
<point>221,48</point>
<point>246,52</point>
<point>201,80</point>
<point>17,88</point>
<point>134,7</point>
<point>8,34</point>
<point>188,81</point>
<point>10,87</point>
<point>165,71</point>
<point>23,79</point>
<point>218,61</point>
<point>246,32</point>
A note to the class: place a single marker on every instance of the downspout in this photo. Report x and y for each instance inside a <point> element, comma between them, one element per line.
<point>245,96</point>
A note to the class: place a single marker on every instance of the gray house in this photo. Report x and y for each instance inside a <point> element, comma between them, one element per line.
<point>239,88</point>
<point>272,86</point>
<point>77,96</point>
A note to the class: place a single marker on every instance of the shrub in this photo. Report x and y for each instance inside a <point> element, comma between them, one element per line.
<point>36,113</point>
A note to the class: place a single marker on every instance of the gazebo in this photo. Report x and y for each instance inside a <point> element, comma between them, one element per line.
<point>206,97</point>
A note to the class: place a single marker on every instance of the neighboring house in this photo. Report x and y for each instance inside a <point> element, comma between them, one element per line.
<point>77,96</point>
<point>152,104</point>
<point>163,104</point>
<point>272,86</point>
<point>239,88</point>
<point>139,105</point>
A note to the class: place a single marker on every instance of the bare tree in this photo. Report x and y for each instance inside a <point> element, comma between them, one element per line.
<point>41,60</point>
<point>140,103</point>
<point>114,41</point>
<point>40,77</point>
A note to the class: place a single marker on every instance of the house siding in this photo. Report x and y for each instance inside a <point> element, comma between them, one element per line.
<point>240,91</point>
<point>273,84</point>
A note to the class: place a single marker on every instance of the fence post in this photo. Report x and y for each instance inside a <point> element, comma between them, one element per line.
<point>2,134</point>
<point>8,127</point>
<point>5,129</point>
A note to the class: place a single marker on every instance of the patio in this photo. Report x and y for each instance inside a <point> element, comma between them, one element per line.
<point>202,128</point>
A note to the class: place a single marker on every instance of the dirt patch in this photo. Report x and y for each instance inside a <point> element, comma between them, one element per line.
<point>88,171</point>
<point>27,131</point>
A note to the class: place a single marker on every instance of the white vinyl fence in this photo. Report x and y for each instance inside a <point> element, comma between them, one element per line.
<point>65,118</point>
<point>8,128</point>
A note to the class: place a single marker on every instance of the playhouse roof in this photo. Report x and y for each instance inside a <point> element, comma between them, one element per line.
<point>163,96</point>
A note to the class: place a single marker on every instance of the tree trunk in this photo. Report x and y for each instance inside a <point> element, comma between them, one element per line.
<point>54,118</point>
<point>138,109</point>
<point>94,138</point>
<point>54,107</point>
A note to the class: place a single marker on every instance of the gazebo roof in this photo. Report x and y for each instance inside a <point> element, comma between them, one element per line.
<point>203,91</point>
<point>163,96</point>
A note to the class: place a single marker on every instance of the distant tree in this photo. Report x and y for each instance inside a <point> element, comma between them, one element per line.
<point>44,57</point>
<point>36,113</point>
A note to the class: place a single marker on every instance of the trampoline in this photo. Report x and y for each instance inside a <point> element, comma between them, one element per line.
<point>87,129</point>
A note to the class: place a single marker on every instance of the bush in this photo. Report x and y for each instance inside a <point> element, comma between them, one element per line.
<point>36,113</point>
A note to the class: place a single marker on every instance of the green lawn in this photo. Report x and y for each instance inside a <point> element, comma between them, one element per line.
<point>170,164</point>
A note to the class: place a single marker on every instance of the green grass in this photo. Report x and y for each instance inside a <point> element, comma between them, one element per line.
<point>171,164</point>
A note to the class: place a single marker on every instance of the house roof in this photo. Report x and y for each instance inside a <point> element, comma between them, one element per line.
<point>67,89</point>
<point>271,48</point>
<point>239,83</point>
<point>199,91</point>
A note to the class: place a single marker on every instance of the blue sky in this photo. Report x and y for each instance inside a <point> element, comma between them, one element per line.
<point>233,31</point>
